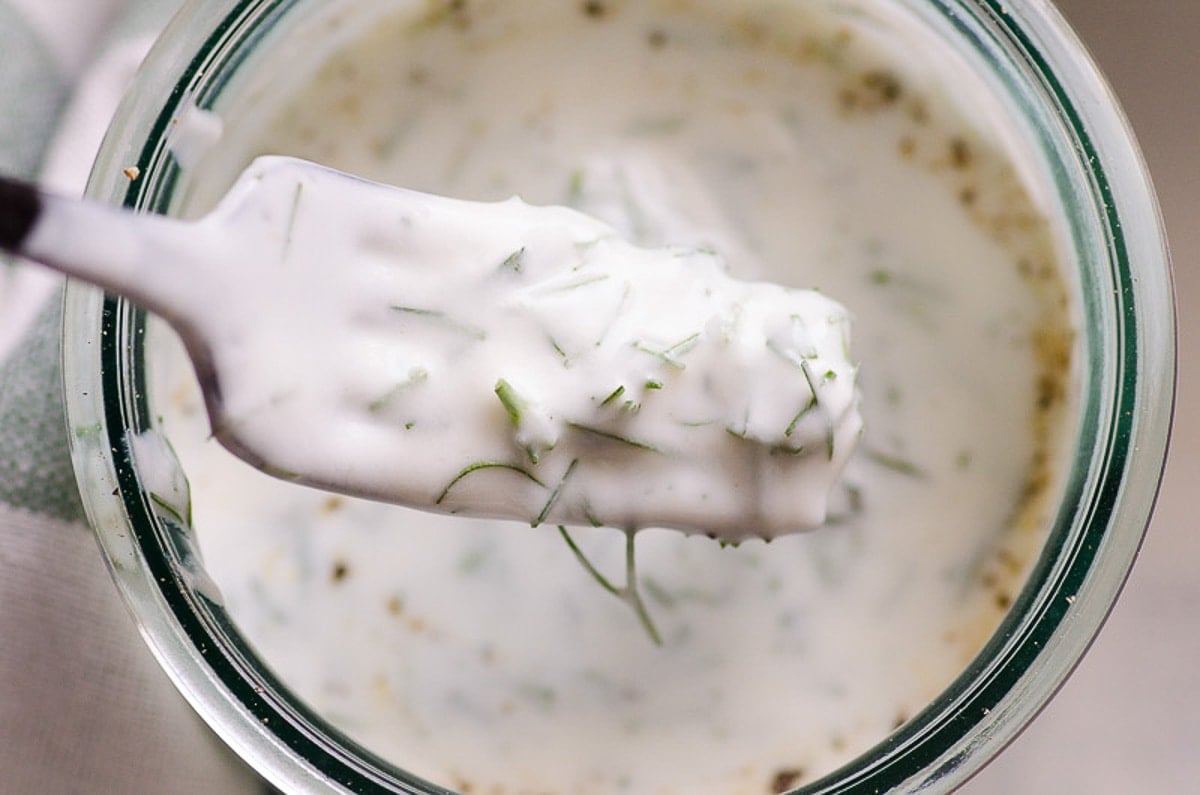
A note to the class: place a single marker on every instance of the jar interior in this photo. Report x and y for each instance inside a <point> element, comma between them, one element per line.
<point>1054,541</point>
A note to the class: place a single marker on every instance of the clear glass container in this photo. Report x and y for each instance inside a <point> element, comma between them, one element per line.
<point>1128,364</point>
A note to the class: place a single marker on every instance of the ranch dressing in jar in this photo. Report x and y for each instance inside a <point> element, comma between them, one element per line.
<point>815,145</point>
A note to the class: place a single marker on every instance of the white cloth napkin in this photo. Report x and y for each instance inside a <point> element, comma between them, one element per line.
<point>84,708</point>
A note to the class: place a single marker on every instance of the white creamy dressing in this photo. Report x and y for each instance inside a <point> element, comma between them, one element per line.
<point>510,361</point>
<point>814,151</point>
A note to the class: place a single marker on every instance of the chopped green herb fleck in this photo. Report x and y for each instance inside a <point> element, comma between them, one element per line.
<point>567,287</point>
<point>620,308</point>
<point>784,449</point>
<point>416,375</point>
<point>742,433</point>
<point>291,224</point>
<point>554,495</point>
<point>575,186</point>
<point>474,559</point>
<point>482,465</point>
<point>658,593</point>
<point>515,261</point>
<point>616,393</point>
<point>513,403</point>
<point>895,463</point>
<point>591,515</point>
<point>855,496</point>
<point>474,332</point>
<point>566,359</point>
<point>413,310</point>
<point>615,437</point>
<point>540,695</point>
<point>829,434</point>
<point>788,356</point>
<point>516,406</point>
<point>791,428</point>
<point>671,354</point>
<point>86,431</point>
<point>183,519</point>
<point>341,570</point>
<point>657,125</point>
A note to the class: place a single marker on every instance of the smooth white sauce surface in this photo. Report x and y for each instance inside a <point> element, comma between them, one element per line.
<point>479,654</point>
<point>503,360</point>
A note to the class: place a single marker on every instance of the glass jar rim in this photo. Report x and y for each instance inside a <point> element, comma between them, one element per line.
<point>1079,575</point>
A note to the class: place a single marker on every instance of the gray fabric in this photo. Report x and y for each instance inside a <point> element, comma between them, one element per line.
<point>32,93</point>
<point>84,707</point>
<point>35,463</point>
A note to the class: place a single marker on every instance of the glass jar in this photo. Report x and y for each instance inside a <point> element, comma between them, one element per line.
<point>1127,350</point>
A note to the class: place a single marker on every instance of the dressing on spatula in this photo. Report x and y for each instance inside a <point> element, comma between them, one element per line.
<point>491,359</point>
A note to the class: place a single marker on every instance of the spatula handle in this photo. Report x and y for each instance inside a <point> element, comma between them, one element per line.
<point>113,248</point>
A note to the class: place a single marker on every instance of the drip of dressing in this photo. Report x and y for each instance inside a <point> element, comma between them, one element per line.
<point>486,358</point>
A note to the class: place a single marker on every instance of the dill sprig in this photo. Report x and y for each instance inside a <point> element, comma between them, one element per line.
<point>515,261</point>
<point>614,437</point>
<point>895,463</point>
<point>517,407</point>
<point>416,375</point>
<point>829,437</point>
<point>620,309</point>
<point>802,363</point>
<point>630,594</point>
<point>474,332</point>
<point>616,393</point>
<point>590,515</point>
<point>554,495</point>
<point>291,222</point>
<point>783,449</point>
<point>791,357</point>
<point>671,355</point>
<point>629,406</point>
<point>562,353</point>
<point>791,428</point>
<point>482,465</point>
<point>183,519</point>
<point>575,284</point>
<point>513,403</point>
